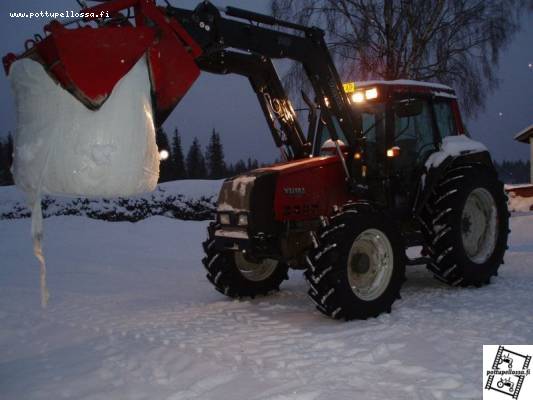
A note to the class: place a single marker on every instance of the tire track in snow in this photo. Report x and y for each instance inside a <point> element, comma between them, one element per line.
<point>244,335</point>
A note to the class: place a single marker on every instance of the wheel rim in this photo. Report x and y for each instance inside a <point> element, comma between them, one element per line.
<point>479,225</point>
<point>370,264</point>
<point>255,272</point>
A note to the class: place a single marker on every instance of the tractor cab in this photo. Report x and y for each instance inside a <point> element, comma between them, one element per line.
<point>402,123</point>
<point>409,114</point>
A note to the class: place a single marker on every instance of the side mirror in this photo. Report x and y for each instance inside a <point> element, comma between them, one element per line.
<point>408,108</point>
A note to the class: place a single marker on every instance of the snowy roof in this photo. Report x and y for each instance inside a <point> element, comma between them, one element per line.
<point>406,82</point>
<point>524,135</point>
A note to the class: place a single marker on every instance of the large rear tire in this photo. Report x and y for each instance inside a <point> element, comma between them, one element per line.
<point>357,267</point>
<point>466,225</point>
<point>234,275</point>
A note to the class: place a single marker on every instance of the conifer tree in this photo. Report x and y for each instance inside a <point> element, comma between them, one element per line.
<point>195,161</point>
<point>215,157</point>
<point>240,167</point>
<point>179,170</point>
<point>230,171</point>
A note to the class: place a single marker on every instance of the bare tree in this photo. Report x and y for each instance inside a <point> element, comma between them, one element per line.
<point>456,42</point>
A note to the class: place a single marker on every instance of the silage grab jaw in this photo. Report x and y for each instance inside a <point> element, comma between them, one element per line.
<point>89,61</point>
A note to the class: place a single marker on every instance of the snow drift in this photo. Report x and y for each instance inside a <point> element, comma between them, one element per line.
<point>186,200</point>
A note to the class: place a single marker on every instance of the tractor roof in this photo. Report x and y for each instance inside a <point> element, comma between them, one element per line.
<point>405,85</point>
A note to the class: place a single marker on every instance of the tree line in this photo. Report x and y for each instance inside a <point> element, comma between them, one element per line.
<point>513,172</point>
<point>211,164</point>
<point>196,164</point>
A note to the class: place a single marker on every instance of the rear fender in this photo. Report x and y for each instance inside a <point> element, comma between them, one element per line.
<point>434,175</point>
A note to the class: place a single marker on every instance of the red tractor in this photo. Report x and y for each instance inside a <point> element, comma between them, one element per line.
<point>382,167</point>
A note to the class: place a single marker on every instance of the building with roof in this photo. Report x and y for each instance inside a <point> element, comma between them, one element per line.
<point>526,136</point>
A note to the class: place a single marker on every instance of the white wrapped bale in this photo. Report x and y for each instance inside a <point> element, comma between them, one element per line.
<point>63,148</point>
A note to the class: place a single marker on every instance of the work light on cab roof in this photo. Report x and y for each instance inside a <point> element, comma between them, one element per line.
<point>360,95</point>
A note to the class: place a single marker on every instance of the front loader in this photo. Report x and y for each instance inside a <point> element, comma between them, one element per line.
<point>383,166</point>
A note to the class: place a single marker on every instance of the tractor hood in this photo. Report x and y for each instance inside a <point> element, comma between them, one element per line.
<point>251,194</point>
<point>292,191</point>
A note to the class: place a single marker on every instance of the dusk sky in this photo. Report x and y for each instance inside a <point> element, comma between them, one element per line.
<point>228,104</point>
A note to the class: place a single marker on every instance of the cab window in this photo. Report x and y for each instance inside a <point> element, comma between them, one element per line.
<point>373,124</point>
<point>445,118</point>
<point>323,135</point>
<point>414,135</point>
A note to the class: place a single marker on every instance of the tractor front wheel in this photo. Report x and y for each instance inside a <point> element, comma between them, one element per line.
<point>235,275</point>
<point>357,267</point>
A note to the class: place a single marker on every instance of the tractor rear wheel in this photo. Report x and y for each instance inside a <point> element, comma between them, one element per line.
<point>466,224</point>
<point>357,267</point>
<point>234,275</point>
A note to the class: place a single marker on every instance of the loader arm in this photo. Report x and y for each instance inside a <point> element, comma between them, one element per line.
<point>306,46</point>
<point>281,118</point>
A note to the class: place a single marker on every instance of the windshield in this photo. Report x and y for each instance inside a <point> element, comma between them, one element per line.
<point>323,135</point>
<point>372,122</point>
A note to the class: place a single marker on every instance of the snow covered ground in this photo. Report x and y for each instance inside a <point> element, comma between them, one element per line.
<point>131,316</point>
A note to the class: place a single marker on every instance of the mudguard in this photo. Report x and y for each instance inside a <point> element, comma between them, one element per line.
<point>434,175</point>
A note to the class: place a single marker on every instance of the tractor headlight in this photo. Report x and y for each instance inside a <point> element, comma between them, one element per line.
<point>224,218</point>
<point>242,220</point>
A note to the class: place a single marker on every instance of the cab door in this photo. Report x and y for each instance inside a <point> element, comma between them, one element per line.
<point>412,131</point>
